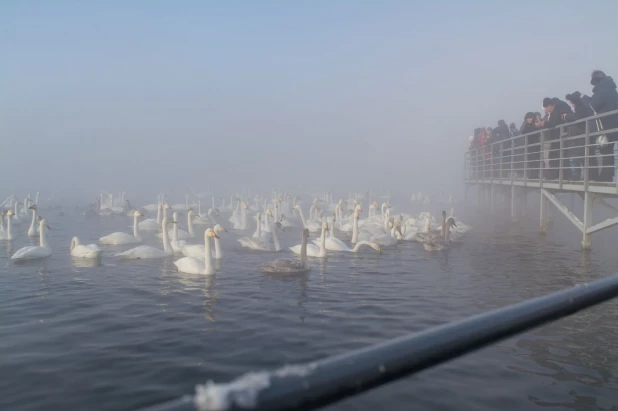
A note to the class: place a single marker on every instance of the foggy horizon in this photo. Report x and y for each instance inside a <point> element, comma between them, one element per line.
<point>150,97</point>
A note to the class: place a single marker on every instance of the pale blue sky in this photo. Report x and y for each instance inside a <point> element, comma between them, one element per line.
<point>324,94</point>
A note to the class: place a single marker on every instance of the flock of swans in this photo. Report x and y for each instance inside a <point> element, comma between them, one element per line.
<point>338,225</point>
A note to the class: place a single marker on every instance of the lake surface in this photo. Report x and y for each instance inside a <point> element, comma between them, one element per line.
<point>123,335</point>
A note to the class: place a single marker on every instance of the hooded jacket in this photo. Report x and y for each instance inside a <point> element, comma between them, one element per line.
<point>604,99</point>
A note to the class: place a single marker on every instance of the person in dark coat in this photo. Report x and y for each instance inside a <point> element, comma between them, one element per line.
<point>534,149</point>
<point>557,111</point>
<point>604,99</point>
<point>501,133</point>
<point>581,110</point>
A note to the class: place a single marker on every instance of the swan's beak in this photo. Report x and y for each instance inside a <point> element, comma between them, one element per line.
<point>379,250</point>
<point>48,227</point>
<point>223,229</point>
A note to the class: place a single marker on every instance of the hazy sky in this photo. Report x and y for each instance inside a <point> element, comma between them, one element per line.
<point>346,95</point>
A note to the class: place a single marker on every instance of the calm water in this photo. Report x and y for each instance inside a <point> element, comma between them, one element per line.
<point>124,335</point>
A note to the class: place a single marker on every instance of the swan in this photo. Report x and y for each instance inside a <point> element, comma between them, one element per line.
<point>289,265</point>
<point>8,234</point>
<point>147,251</point>
<point>310,225</point>
<point>260,244</point>
<point>33,231</point>
<point>84,251</point>
<point>151,224</point>
<point>192,265</point>
<point>332,243</point>
<point>197,250</point>
<point>176,244</point>
<point>439,242</point>
<point>182,234</point>
<point>121,238</point>
<point>16,219</point>
<point>312,249</point>
<point>32,252</point>
<point>387,239</point>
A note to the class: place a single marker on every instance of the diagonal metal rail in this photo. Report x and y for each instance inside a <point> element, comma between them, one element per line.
<point>333,379</point>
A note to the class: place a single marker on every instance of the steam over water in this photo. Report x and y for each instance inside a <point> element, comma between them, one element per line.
<point>124,335</point>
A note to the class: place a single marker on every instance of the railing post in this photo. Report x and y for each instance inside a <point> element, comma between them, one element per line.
<point>525,159</point>
<point>542,158</point>
<point>587,156</point>
<point>561,161</point>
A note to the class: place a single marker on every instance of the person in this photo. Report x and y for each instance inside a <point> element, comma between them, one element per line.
<point>556,111</point>
<point>605,99</point>
<point>534,149</point>
<point>518,147</point>
<point>501,133</point>
<point>582,110</point>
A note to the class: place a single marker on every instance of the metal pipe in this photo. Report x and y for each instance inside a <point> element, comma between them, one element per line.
<point>336,378</point>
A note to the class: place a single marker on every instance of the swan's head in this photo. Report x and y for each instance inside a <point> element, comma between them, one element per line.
<point>451,222</point>
<point>245,206</point>
<point>216,212</point>
<point>74,243</point>
<point>10,213</point>
<point>325,226</point>
<point>33,207</point>
<point>296,207</point>
<point>269,213</point>
<point>258,216</point>
<point>305,233</point>
<point>219,229</point>
<point>211,233</point>
<point>356,215</point>
<point>137,214</point>
<point>279,226</point>
<point>443,214</point>
<point>43,224</point>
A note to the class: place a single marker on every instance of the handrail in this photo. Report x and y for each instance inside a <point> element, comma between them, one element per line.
<point>333,379</point>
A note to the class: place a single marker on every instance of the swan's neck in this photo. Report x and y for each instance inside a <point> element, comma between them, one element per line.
<point>302,217</point>
<point>355,231</point>
<point>36,200</point>
<point>199,207</point>
<point>244,218</point>
<point>259,227</point>
<point>166,240</point>
<point>9,231</point>
<point>323,242</point>
<point>159,215</point>
<point>275,239</point>
<point>135,228</point>
<point>175,232</point>
<point>360,244</point>
<point>207,256</point>
<point>303,250</point>
<point>42,236</point>
<point>33,224</point>
<point>190,225</point>
<point>311,210</point>
<point>213,203</point>
<point>443,228</point>
<point>218,252</point>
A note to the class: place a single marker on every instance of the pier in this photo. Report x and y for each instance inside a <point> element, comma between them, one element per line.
<point>550,162</point>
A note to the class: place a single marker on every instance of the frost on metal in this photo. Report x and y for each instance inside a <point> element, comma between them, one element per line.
<point>243,392</point>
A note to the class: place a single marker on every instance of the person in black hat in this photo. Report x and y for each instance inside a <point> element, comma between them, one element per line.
<point>605,99</point>
<point>557,111</point>
<point>581,110</point>
<point>532,162</point>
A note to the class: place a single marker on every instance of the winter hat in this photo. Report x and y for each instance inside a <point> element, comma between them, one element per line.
<point>529,115</point>
<point>548,102</point>
<point>597,75</point>
<point>574,96</point>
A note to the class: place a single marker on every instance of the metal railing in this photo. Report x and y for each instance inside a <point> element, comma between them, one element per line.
<point>327,381</point>
<point>568,154</point>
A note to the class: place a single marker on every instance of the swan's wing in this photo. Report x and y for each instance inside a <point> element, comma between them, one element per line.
<point>143,251</point>
<point>190,265</point>
<point>22,252</point>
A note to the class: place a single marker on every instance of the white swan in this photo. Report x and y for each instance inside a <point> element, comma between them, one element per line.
<point>312,249</point>
<point>439,242</point>
<point>32,252</point>
<point>84,251</point>
<point>149,252</point>
<point>176,244</point>
<point>193,265</point>
<point>120,238</point>
<point>289,265</point>
<point>152,224</point>
<point>8,234</point>
<point>197,250</point>
<point>332,243</point>
<point>33,231</point>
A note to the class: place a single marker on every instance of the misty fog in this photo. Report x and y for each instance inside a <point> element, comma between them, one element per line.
<point>152,96</point>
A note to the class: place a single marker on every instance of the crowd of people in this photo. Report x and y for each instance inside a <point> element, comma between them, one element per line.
<point>545,135</point>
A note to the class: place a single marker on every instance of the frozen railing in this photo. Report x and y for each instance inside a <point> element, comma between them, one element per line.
<point>569,154</point>
<point>310,386</point>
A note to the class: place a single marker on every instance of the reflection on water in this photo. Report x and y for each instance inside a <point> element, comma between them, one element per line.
<point>124,334</point>
<point>85,262</point>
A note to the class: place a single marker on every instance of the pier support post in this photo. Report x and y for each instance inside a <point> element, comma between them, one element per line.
<point>513,204</point>
<point>586,243</point>
<point>543,222</point>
